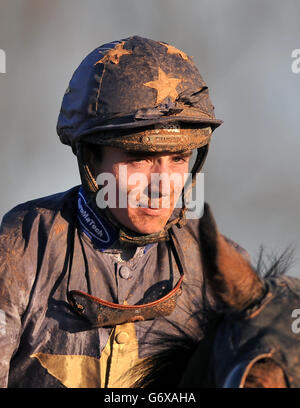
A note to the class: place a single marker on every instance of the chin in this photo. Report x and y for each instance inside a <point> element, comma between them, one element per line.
<point>147,226</point>
<point>149,230</point>
<point>144,222</point>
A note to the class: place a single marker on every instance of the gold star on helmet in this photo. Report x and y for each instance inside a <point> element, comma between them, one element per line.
<point>165,86</point>
<point>174,50</point>
<point>114,54</point>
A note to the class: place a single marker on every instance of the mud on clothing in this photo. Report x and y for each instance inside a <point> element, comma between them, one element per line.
<point>43,342</point>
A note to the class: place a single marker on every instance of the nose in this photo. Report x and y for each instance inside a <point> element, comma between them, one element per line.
<point>159,182</point>
<point>161,165</point>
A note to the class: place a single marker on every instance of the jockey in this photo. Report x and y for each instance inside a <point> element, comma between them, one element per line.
<point>85,282</point>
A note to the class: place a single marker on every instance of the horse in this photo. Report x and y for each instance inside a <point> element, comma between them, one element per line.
<point>248,339</point>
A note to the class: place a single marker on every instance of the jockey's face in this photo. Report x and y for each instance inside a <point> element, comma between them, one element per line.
<point>150,182</point>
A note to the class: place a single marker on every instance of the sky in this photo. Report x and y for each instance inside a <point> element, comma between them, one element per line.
<point>243,49</point>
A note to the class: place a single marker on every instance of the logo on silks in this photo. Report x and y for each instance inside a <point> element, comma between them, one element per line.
<point>100,232</point>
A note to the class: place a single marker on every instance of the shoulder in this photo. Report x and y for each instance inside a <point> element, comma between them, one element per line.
<point>21,215</point>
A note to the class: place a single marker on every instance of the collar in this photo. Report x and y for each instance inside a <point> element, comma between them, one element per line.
<point>102,234</point>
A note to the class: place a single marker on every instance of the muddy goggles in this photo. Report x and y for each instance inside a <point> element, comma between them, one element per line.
<point>102,313</point>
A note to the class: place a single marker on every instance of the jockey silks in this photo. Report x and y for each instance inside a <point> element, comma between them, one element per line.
<point>45,343</point>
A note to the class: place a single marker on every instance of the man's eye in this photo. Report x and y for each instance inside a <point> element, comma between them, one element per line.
<point>179,159</point>
<point>138,161</point>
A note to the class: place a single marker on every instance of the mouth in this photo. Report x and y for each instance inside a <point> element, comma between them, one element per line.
<point>163,202</point>
<point>154,211</point>
<point>154,206</point>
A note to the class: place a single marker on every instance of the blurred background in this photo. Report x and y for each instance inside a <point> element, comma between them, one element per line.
<point>242,49</point>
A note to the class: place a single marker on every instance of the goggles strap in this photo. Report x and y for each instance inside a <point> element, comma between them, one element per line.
<point>153,309</point>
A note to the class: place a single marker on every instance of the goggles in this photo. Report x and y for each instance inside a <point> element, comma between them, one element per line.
<point>102,313</point>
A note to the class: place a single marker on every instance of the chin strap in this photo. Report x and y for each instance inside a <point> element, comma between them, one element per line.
<point>87,179</point>
<point>134,238</point>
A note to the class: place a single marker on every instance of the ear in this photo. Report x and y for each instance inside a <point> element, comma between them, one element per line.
<point>265,373</point>
<point>229,273</point>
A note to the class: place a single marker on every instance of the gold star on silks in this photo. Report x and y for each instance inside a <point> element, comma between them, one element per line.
<point>174,50</point>
<point>114,54</point>
<point>73,371</point>
<point>164,85</point>
<point>80,371</point>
